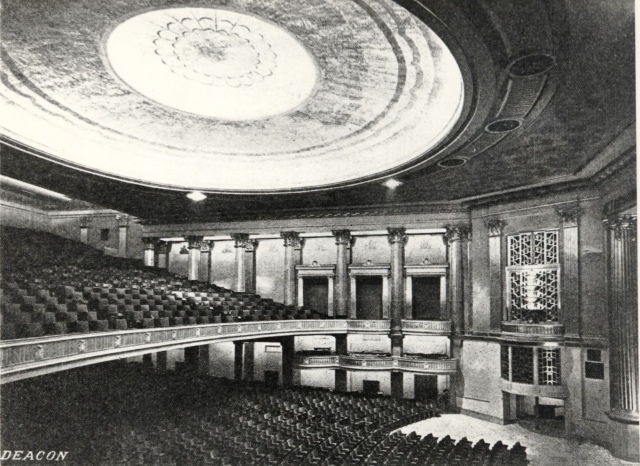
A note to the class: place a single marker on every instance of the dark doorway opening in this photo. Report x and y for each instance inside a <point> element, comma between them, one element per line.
<point>426,387</point>
<point>315,292</point>
<point>369,298</point>
<point>371,387</point>
<point>426,298</point>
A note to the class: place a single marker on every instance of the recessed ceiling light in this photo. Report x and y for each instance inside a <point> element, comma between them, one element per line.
<point>503,126</point>
<point>452,162</point>
<point>392,184</point>
<point>196,196</point>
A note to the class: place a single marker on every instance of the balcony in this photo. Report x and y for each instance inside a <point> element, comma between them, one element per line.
<point>426,327</point>
<point>515,330</point>
<point>378,363</point>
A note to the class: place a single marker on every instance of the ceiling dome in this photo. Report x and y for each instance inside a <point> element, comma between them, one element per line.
<point>305,96</point>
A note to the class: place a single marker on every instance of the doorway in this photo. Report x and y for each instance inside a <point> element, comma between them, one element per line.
<point>426,298</point>
<point>315,292</point>
<point>426,387</point>
<point>371,387</point>
<point>369,298</point>
<point>271,378</point>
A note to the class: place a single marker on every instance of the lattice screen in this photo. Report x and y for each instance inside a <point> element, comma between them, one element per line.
<point>548,366</point>
<point>522,364</point>
<point>533,277</point>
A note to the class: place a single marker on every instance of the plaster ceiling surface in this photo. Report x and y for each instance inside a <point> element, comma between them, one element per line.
<point>254,96</point>
<point>131,104</point>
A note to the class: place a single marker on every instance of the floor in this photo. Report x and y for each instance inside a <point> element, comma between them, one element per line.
<point>542,450</point>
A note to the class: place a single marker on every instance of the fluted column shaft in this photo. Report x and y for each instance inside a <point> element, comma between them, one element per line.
<point>454,237</point>
<point>123,230</point>
<point>291,242</point>
<point>193,261</point>
<point>241,243</point>
<point>341,282</point>
<point>623,318</point>
<point>250,266</point>
<point>397,239</point>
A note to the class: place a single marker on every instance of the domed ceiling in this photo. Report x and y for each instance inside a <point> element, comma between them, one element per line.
<point>274,107</point>
<point>252,97</point>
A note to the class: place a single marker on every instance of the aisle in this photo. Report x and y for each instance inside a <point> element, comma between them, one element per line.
<point>542,450</point>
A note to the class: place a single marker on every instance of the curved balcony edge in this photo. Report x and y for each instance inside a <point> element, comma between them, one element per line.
<point>391,363</point>
<point>426,327</point>
<point>547,391</point>
<point>535,332</point>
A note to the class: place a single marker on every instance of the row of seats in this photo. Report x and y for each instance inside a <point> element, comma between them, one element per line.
<point>44,293</point>
<point>121,414</point>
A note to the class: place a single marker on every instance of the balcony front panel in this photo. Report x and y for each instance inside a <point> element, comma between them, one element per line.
<point>534,332</point>
<point>426,327</point>
<point>372,363</point>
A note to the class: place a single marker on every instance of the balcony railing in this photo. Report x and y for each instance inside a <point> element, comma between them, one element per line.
<point>521,330</point>
<point>372,363</point>
<point>426,327</point>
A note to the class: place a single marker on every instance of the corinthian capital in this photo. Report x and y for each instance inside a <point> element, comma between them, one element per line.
<point>123,220</point>
<point>241,239</point>
<point>495,226</point>
<point>150,243</point>
<point>291,239</point>
<point>457,233</point>
<point>623,224</point>
<point>397,235</point>
<point>570,216</point>
<point>195,242</point>
<point>342,237</point>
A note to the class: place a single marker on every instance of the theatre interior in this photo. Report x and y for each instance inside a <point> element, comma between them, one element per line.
<point>318,232</point>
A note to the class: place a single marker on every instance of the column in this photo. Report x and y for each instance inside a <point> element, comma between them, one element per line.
<point>397,239</point>
<point>249,361</point>
<point>207,248</point>
<point>161,361</point>
<point>341,281</point>
<point>570,279</point>
<point>623,318</point>
<point>150,251</point>
<point>204,360</point>
<point>454,237</point>
<point>496,305</point>
<point>123,228</point>
<point>291,243</point>
<point>250,266</point>
<point>397,385</point>
<point>193,264</point>
<point>288,354</point>
<point>241,240</point>
<point>238,347</point>
<point>164,249</point>
<point>84,229</point>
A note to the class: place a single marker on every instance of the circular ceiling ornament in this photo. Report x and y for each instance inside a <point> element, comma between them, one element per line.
<point>262,100</point>
<point>213,63</point>
<point>452,162</point>
<point>531,65</point>
<point>503,126</point>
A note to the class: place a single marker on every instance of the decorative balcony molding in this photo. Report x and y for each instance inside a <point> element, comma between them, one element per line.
<point>533,331</point>
<point>372,363</point>
<point>369,326</point>
<point>426,327</point>
<point>426,270</point>
<point>547,391</point>
<point>320,270</point>
<point>20,359</point>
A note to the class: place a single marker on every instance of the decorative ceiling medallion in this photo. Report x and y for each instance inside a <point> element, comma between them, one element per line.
<point>213,51</point>
<point>452,162</point>
<point>503,126</point>
<point>531,65</point>
<point>213,63</point>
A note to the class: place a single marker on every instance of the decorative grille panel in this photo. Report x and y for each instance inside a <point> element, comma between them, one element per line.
<point>522,364</point>
<point>504,362</point>
<point>548,366</point>
<point>533,277</point>
<point>537,248</point>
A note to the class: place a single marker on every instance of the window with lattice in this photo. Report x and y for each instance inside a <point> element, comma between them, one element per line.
<point>533,277</point>
<point>548,366</point>
<point>522,364</point>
